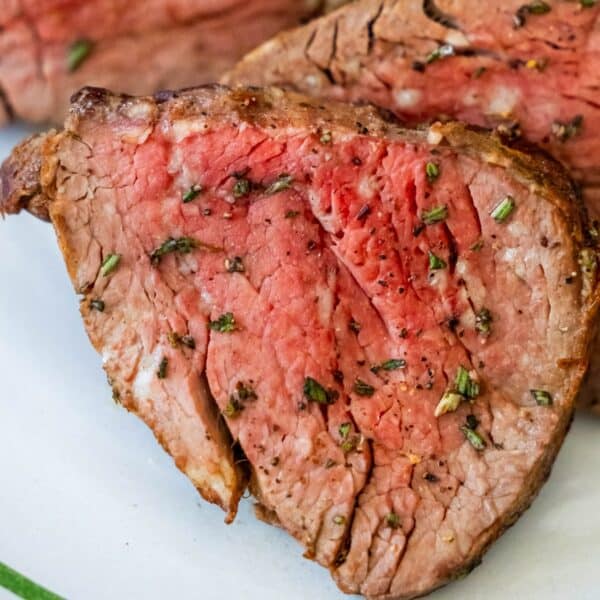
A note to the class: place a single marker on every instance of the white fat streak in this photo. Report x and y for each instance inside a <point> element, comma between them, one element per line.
<point>456,38</point>
<point>367,187</point>
<point>407,97</point>
<point>324,305</point>
<point>434,137</point>
<point>503,101</point>
<point>146,374</point>
<point>327,220</point>
<point>183,128</point>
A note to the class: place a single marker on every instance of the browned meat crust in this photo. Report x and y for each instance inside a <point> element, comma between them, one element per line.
<point>271,110</point>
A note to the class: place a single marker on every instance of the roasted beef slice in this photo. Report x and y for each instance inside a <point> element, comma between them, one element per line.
<point>531,70</point>
<point>392,325</point>
<point>50,48</point>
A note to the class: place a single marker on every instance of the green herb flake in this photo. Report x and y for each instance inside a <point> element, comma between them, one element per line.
<point>233,408</point>
<point>538,7</point>
<point>361,388</point>
<point>541,397</point>
<point>436,263</point>
<point>439,53</point>
<point>241,188</point>
<point>234,265</point>
<point>344,430</point>
<point>392,520</point>
<point>349,444</point>
<point>339,520</point>
<point>473,438</point>
<point>479,71</point>
<point>161,373</point>
<point>182,245</point>
<point>503,209</point>
<point>110,264</point>
<point>465,385</point>
<point>435,215</point>
<point>389,365</point>
<point>283,182</point>
<point>315,392</point>
<point>330,463</point>
<point>588,3</point>
<point>483,321</point>
<point>224,324</point>
<point>77,54</point>
<point>432,171</point>
<point>449,402</point>
<point>177,340</point>
<point>97,304</point>
<point>477,246</point>
<point>565,131</point>
<point>192,193</point>
<point>291,214</point>
<point>245,391</point>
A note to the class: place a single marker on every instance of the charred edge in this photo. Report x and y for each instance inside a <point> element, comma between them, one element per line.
<point>371,28</point>
<point>435,14</point>
<point>6,105</point>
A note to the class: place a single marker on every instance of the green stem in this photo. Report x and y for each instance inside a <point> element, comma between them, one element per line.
<point>22,586</point>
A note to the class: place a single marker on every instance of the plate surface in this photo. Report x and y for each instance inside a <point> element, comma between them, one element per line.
<point>91,506</point>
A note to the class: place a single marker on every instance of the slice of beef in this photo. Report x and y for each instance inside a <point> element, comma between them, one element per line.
<point>528,69</point>
<point>393,323</point>
<point>50,48</point>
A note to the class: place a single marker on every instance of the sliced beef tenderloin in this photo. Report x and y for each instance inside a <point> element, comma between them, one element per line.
<point>392,323</point>
<point>527,69</point>
<point>50,48</point>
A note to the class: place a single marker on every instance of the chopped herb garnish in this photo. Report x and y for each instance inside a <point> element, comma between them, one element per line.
<point>291,214</point>
<point>541,397</point>
<point>538,7</point>
<point>326,137</point>
<point>440,52</point>
<point>183,245</point>
<point>432,171</point>
<point>110,263</point>
<point>477,246</point>
<point>191,194</point>
<point>97,304</point>
<point>330,463</point>
<point>283,182</point>
<point>392,520</point>
<point>177,340</point>
<point>344,430</point>
<point>436,263</point>
<point>339,520</point>
<point>465,385</point>
<point>473,438</point>
<point>245,391</point>
<point>315,392</point>
<point>78,52</point>
<point>565,131</point>
<point>588,3</point>
<point>349,444</point>
<point>354,326</point>
<point>483,321</point>
<point>233,408</point>
<point>161,373</point>
<point>479,71</point>
<point>449,402</point>
<point>224,324</point>
<point>362,388</point>
<point>435,215</point>
<point>234,265</point>
<point>389,365</point>
<point>503,210</point>
<point>241,188</point>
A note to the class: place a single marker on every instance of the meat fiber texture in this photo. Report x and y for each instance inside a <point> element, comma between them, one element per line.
<point>531,70</point>
<point>305,282</point>
<point>133,46</point>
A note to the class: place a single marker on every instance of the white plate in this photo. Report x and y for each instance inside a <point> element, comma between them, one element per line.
<point>91,506</point>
